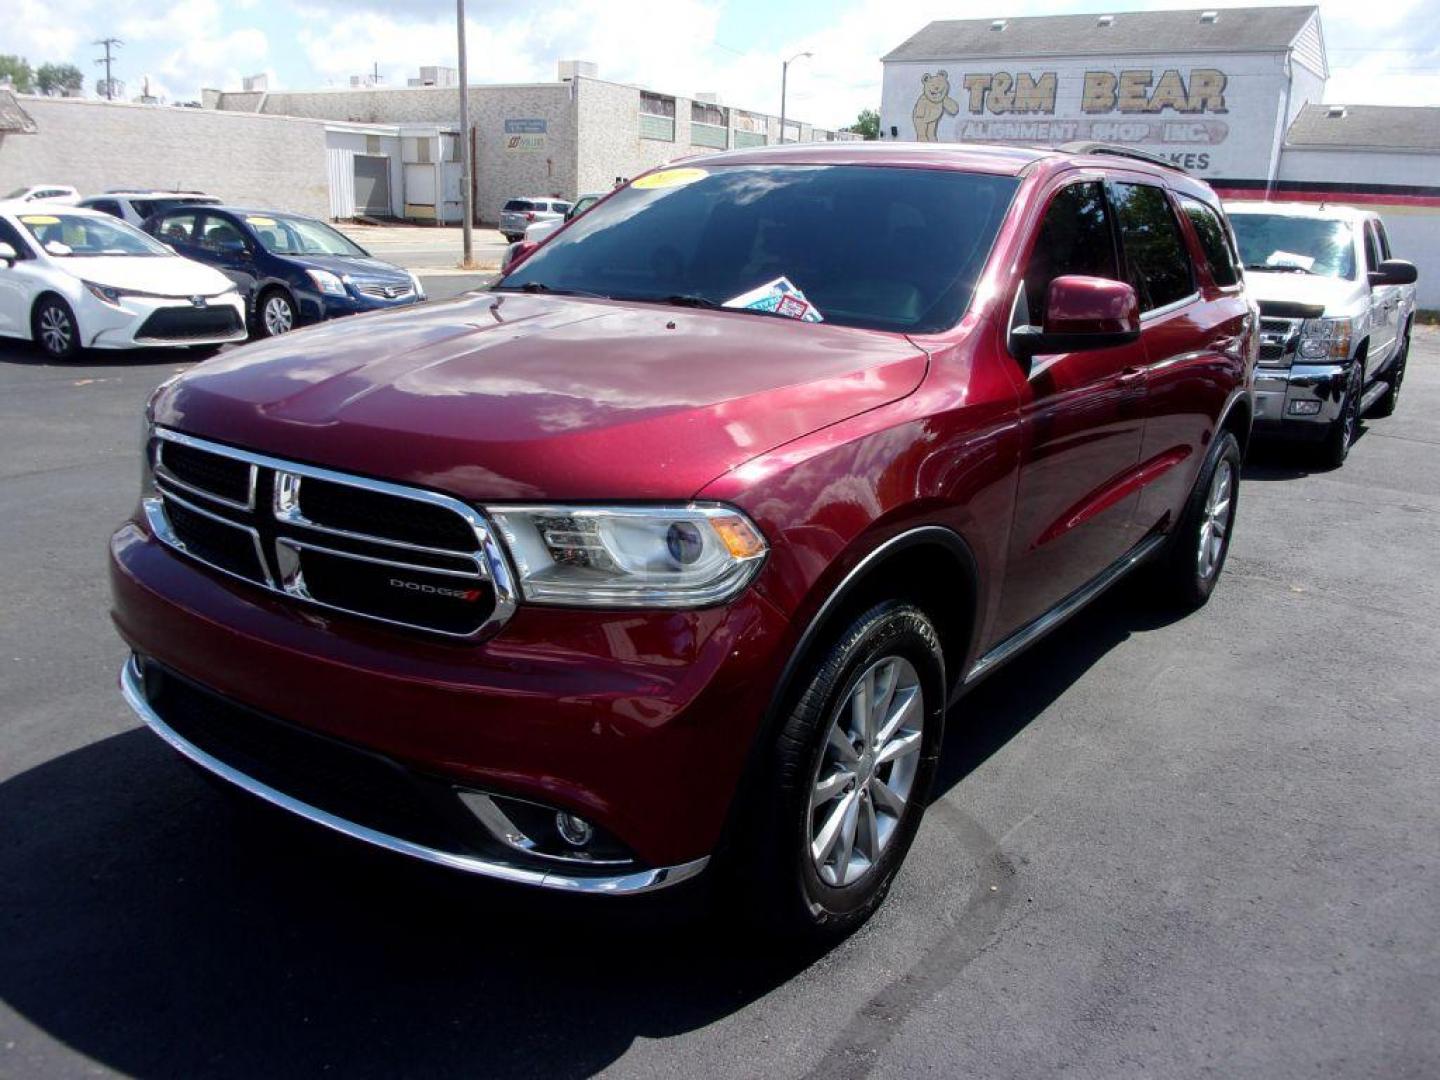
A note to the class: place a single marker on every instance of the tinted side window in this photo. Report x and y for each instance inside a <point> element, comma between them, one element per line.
<point>10,235</point>
<point>1383,237</point>
<point>1372,247</point>
<point>1214,241</point>
<point>1155,252</point>
<point>1074,238</point>
<point>106,206</point>
<point>177,227</point>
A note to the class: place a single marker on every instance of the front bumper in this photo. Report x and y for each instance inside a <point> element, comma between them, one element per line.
<point>640,722</point>
<point>316,307</point>
<point>124,326</point>
<point>1303,400</point>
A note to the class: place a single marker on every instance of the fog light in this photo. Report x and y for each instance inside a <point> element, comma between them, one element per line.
<point>575,831</point>
<point>1304,408</point>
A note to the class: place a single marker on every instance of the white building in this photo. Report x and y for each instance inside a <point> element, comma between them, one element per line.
<point>1232,95</point>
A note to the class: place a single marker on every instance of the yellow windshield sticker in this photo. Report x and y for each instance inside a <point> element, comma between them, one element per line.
<point>668,178</point>
<point>263,222</point>
<point>40,219</point>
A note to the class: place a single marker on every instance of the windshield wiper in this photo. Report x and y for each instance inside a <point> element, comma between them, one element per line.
<point>541,287</point>
<point>690,300</point>
<point>1280,268</point>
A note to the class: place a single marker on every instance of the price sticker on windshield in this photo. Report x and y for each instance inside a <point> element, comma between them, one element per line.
<point>40,219</point>
<point>263,222</point>
<point>668,178</point>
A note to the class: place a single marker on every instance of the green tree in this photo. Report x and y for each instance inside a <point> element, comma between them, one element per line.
<point>59,79</point>
<point>17,70</point>
<point>866,124</point>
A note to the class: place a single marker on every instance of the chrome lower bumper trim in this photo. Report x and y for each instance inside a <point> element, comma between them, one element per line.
<point>638,881</point>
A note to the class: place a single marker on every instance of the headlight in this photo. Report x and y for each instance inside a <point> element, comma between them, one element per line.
<point>105,293</point>
<point>327,282</point>
<point>1322,339</point>
<point>419,290</point>
<point>621,556</point>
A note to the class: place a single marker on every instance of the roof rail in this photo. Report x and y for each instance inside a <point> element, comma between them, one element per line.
<point>1116,150</point>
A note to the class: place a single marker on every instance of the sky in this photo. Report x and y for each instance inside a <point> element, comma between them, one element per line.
<point>1380,53</point>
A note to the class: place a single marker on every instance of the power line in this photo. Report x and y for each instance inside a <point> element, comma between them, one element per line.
<point>108,43</point>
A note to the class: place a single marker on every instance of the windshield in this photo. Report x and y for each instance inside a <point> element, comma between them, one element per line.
<point>62,235</point>
<point>1283,243</point>
<point>300,236</point>
<point>19,192</point>
<point>875,247</point>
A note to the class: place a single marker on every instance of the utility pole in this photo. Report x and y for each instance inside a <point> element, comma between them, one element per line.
<point>375,73</point>
<point>109,83</point>
<point>467,166</point>
<point>784,76</point>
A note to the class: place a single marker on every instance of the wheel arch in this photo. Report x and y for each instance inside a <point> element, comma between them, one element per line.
<point>44,294</point>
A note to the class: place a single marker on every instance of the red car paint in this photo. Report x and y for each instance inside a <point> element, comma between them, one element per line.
<point>833,441</point>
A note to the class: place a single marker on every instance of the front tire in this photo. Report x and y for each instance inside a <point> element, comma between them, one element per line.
<point>276,313</point>
<point>849,778</point>
<point>1198,547</point>
<point>54,329</point>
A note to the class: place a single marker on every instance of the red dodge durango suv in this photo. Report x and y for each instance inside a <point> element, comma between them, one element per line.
<point>669,552</point>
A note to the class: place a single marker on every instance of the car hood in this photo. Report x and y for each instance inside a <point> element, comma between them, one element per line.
<point>1337,294</point>
<point>504,396</point>
<point>167,275</point>
<point>360,268</point>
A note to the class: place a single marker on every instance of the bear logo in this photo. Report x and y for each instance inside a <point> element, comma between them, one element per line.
<point>935,101</point>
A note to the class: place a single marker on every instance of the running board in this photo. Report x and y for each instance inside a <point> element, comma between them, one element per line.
<point>1374,394</point>
<point>1034,631</point>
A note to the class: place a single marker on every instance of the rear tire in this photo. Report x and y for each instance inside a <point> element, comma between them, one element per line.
<point>1196,552</point>
<point>54,330</point>
<point>847,783</point>
<point>1386,405</point>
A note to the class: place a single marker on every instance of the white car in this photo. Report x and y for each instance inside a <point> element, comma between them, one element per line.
<point>541,229</point>
<point>137,207</point>
<point>57,193</point>
<point>517,215</point>
<point>73,279</point>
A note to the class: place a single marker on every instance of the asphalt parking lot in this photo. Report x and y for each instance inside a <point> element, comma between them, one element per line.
<point>1197,847</point>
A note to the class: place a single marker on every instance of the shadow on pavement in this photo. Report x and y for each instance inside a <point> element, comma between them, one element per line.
<point>161,928</point>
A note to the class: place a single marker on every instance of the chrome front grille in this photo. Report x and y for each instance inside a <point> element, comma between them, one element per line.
<point>386,292</point>
<point>1279,338</point>
<point>399,555</point>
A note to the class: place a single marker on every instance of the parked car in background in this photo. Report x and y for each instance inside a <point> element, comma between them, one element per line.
<point>138,206</point>
<point>292,270</point>
<point>539,230</point>
<point>56,193</point>
<point>670,552</point>
<point>1336,311</point>
<point>73,279</point>
<point>517,215</point>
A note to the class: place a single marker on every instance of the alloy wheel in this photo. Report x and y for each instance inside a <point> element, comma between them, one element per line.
<point>279,316</point>
<point>1215,522</point>
<point>1351,418</point>
<point>866,773</point>
<point>56,329</point>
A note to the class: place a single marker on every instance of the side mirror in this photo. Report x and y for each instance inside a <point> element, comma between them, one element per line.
<point>8,254</point>
<point>517,253</point>
<point>1080,313</point>
<point>1394,272</point>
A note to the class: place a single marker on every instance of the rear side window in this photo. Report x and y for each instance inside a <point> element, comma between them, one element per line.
<point>519,205</point>
<point>1214,241</point>
<point>1155,252</point>
<point>560,207</point>
<point>106,206</point>
<point>1074,238</point>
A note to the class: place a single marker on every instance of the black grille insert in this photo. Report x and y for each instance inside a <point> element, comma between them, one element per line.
<point>375,513</point>
<point>226,546</point>
<point>454,605</point>
<point>200,469</point>
<point>178,324</point>
<point>357,785</point>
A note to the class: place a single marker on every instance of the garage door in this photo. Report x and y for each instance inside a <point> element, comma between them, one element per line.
<point>372,185</point>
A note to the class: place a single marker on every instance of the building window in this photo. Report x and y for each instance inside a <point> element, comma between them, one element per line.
<point>709,126</point>
<point>657,117</point>
<point>749,130</point>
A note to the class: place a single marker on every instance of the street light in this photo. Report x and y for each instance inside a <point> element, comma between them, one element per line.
<point>784,76</point>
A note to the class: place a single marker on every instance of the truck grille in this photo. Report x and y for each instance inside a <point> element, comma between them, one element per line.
<point>1279,338</point>
<point>403,556</point>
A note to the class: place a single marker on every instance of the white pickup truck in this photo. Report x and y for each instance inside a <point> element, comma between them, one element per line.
<point>1335,318</point>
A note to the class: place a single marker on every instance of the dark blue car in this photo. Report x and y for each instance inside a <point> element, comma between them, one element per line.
<point>292,269</point>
